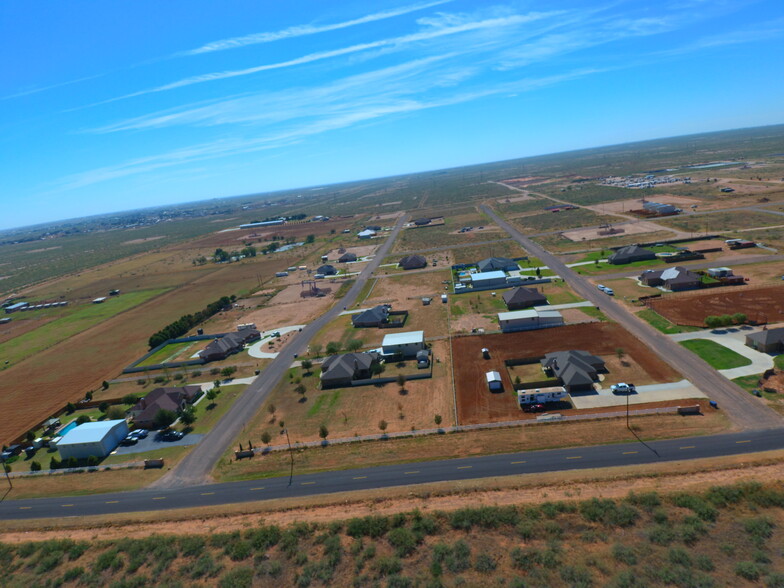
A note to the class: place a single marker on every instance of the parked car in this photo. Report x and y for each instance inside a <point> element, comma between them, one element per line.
<point>129,440</point>
<point>533,407</point>
<point>609,292</point>
<point>171,435</point>
<point>622,388</point>
<point>601,287</point>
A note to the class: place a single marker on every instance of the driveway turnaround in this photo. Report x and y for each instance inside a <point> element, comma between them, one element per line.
<point>577,458</point>
<point>257,349</point>
<point>733,339</point>
<point>682,390</point>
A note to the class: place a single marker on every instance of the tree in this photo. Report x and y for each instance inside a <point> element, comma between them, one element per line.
<point>377,368</point>
<point>88,396</point>
<point>271,409</point>
<point>538,273</point>
<point>163,418</point>
<point>323,432</point>
<point>382,424</point>
<point>306,365</point>
<point>103,407</point>
<point>310,239</point>
<point>54,463</point>
<point>30,436</point>
<point>712,322</point>
<point>266,438</point>
<point>401,381</point>
<point>300,388</point>
<point>620,353</point>
<point>188,416</point>
<point>129,399</point>
<point>739,318</point>
<point>115,413</point>
<point>7,467</point>
<point>82,419</point>
<point>437,419</point>
<point>228,371</point>
<point>211,396</point>
<point>353,344</point>
<point>70,408</point>
<point>315,349</point>
<point>220,255</point>
<point>333,347</point>
<point>35,466</point>
<point>105,385</point>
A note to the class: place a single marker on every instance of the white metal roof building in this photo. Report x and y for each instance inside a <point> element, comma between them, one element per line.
<point>529,319</point>
<point>488,278</point>
<point>494,381</point>
<point>98,439</point>
<point>405,344</point>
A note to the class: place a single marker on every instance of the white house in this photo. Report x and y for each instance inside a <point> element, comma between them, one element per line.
<point>405,344</point>
<point>98,439</point>
<point>529,319</point>
<point>541,395</point>
<point>366,234</point>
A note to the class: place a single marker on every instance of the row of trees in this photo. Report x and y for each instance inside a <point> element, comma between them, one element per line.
<point>725,320</point>
<point>186,322</point>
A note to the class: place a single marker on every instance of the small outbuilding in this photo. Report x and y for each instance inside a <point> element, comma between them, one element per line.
<point>494,382</point>
<point>92,439</point>
<point>403,344</point>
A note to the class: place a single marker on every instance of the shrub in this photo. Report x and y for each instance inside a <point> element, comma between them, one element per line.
<point>82,419</point>
<point>748,570</point>
<point>237,578</point>
<point>576,576</point>
<point>108,559</point>
<point>140,382</point>
<point>264,537</point>
<point>759,528</point>
<point>775,580</point>
<point>700,506</point>
<point>129,399</point>
<point>679,556</point>
<point>487,517</point>
<point>484,563</point>
<point>704,563</point>
<point>646,500</point>
<point>35,466</point>
<point>608,512</point>
<point>370,526</point>
<point>424,524</point>
<point>525,529</point>
<point>115,413</point>
<point>459,560</point>
<point>403,540</point>
<point>386,566</point>
<point>55,463</point>
<point>159,379</point>
<point>214,371</point>
<point>93,461</point>
<point>624,554</point>
<point>191,545</point>
<point>73,573</point>
<point>205,566</point>
<point>661,535</point>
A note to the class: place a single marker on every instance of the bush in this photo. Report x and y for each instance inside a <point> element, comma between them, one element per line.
<point>370,526</point>
<point>759,528</point>
<point>82,419</point>
<point>55,463</point>
<point>486,517</point>
<point>624,554</point>
<point>403,540</point>
<point>679,556</point>
<point>576,576</point>
<point>205,566</point>
<point>163,418</point>
<point>73,574</point>
<point>459,560</point>
<point>35,466</point>
<point>140,382</point>
<point>109,559</point>
<point>191,545</point>
<point>608,512</point>
<point>115,413</point>
<point>661,535</point>
<point>697,504</point>
<point>93,461</point>
<point>775,580</point>
<point>484,563</point>
<point>264,537</point>
<point>748,570</point>
<point>386,566</point>
<point>237,578</point>
<point>704,563</point>
<point>646,500</point>
<point>228,371</point>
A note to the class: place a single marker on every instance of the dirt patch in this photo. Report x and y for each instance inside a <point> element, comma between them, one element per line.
<point>389,215</point>
<point>359,251</point>
<point>293,293</point>
<point>762,305</point>
<point>45,249</point>
<point>636,203</point>
<point>136,241</point>
<point>520,198</point>
<point>633,228</point>
<point>476,404</point>
<point>467,323</point>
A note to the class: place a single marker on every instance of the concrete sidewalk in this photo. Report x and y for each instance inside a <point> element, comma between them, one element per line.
<point>734,339</point>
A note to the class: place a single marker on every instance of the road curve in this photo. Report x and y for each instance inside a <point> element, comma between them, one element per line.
<point>744,410</point>
<point>576,458</point>
<point>195,467</point>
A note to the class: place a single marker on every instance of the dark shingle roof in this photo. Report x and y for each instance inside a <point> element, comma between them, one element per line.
<point>413,262</point>
<point>573,367</point>
<point>768,336</point>
<point>631,253</point>
<point>524,296</point>
<point>375,315</point>
<point>495,263</point>
<point>327,270</point>
<point>338,367</point>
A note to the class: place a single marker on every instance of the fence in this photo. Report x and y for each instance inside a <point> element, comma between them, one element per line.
<point>136,368</point>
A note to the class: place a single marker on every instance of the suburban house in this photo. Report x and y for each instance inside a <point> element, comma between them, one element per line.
<point>327,270</point>
<point>519,298</point>
<point>421,222</point>
<point>673,278</point>
<point>372,317</point>
<point>629,254</point>
<point>494,279</point>
<point>724,275</point>
<point>577,370</point>
<point>497,263</point>
<point>528,320</point>
<point>174,398</point>
<point>403,344</point>
<point>230,343</point>
<point>341,370</point>
<point>767,340</point>
<point>347,257</point>
<point>366,234</point>
<point>410,262</point>
<point>92,439</point>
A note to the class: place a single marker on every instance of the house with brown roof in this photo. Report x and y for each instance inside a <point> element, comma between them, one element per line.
<point>174,399</point>
<point>673,278</point>
<point>230,343</point>
<point>520,297</point>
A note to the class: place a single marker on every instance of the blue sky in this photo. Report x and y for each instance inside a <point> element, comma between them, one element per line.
<point>108,106</point>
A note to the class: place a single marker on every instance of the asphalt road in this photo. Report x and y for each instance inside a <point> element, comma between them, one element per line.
<point>578,458</point>
<point>744,410</point>
<point>195,468</point>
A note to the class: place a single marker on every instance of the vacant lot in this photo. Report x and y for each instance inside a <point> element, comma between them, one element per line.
<point>762,305</point>
<point>559,221</point>
<point>716,354</point>
<point>505,248</point>
<point>722,221</point>
<point>476,404</point>
<point>447,234</point>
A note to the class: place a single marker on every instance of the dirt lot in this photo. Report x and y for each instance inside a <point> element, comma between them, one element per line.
<point>359,251</point>
<point>764,304</point>
<point>633,228</point>
<point>476,404</point>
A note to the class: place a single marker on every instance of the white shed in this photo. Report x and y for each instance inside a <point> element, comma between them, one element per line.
<point>529,319</point>
<point>98,439</point>
<point>494,382</point>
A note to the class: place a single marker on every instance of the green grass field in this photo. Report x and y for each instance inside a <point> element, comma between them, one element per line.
<point>209,412</point>
<point>716,354</point>
<point>660,323</point>
<point>167,353</point>
<point>80,319</point>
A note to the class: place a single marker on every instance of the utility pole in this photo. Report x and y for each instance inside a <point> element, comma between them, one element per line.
<point>7,477</point>
<point>627,411</point>
<point>291,455</point>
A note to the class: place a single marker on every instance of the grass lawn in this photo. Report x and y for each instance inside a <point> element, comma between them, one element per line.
<point>167,353</point>
<point>171,454</point>
<point>32,342</point>
<point>716,354</point>
<point>660,323</point>
<point>209,412</point>
<point>608,268</point>
<point>778,361</point>
<point>479,303</point>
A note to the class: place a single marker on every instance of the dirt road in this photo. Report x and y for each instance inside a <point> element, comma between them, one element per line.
<point>743,410</point>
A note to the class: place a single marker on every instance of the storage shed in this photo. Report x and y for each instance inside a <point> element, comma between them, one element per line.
<point>404,344</point>
<point>494,382</point>
<point>98,439</point>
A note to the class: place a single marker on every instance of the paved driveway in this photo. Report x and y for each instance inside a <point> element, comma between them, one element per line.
<point>734,339</point>
<point>150,444</point>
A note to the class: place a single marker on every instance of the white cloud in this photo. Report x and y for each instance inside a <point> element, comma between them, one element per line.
<point>303,30</point>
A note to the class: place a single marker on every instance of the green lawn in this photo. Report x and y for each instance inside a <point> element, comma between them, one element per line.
<point>778,361</point>
<point>84,317</point>
<point>660,323</point>
<point>716,354</point>
<point>167,353</point>
<point>208,413</point>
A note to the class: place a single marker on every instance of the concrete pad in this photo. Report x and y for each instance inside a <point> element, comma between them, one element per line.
<point>255,350</point>
<point>652,393</point>
<point>733,339</point>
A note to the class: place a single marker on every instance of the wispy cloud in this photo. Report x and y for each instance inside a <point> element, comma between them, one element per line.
<point>31,91</point>
<point>303,30</point>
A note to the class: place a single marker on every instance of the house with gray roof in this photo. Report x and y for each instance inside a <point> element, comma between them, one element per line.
<point>629,254</point>
<point>327,270</point>
<point>520,297</point>
<point>372,317</point>
<point>347,257</point>
<point>767,340</point>
<point>341,370</point>
<point>413,262</point>
<point>576,370</point>
<point>497,263</point>
<point>673,278</point>
<point>230,343</point>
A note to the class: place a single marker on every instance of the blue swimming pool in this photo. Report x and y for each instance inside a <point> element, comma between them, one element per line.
<point>67,428</point>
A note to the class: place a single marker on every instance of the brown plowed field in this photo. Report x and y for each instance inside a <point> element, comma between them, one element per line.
<point>764,304</point>
<point>476,404</point>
